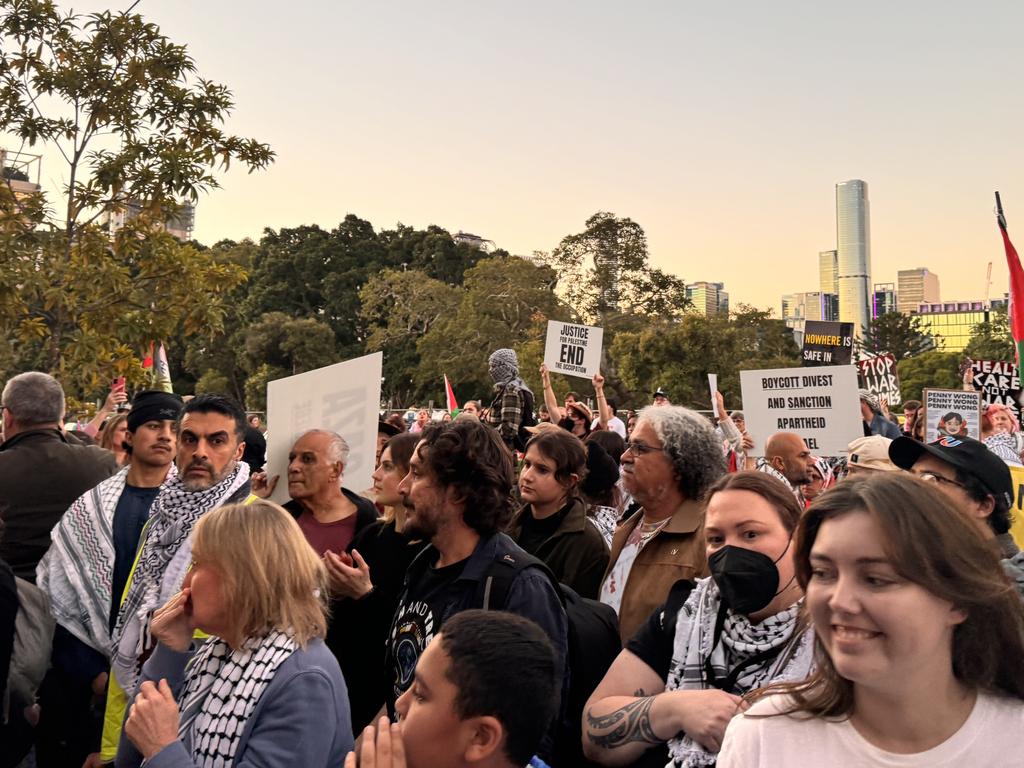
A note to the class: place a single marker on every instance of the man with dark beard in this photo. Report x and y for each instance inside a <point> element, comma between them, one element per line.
<point>210,474</point>
<point>457,496</point>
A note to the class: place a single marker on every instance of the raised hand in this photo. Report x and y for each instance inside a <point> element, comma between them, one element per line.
<point>172,625</point>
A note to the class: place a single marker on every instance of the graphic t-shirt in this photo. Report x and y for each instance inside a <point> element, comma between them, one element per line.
<point>417,619</point>
<point>615,584</point>
<point>322,537</point>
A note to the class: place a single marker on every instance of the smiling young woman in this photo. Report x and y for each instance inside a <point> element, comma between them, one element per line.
<point>920,637</point>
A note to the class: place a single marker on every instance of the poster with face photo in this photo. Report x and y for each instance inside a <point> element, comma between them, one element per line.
<point>998,382</point>
<point>951,412</point>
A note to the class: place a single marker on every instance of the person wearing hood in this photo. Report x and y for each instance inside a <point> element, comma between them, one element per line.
<point>513,400</point>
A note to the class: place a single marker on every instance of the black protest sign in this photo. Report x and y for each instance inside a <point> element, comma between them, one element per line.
<point>879,377</point>
<point>827,343</point>
<point>998,382</point>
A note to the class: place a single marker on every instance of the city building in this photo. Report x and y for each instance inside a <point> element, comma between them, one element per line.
<point>915,287</point>
<point>797,308</point>
<point>178,223</point>
<point>17,170</point>
<point>853,247</point>
<point>951,323</point>
<point>480,243</point>
<point>883,299</point>
<point>828,271</point>
<point>708,298</point>
<point>607,266</point>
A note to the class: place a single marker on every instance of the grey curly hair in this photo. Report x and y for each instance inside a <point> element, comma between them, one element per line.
<point>690,444</point>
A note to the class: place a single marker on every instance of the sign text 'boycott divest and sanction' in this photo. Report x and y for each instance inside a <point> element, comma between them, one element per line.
<point>819,404</point>
<point>573,349</point>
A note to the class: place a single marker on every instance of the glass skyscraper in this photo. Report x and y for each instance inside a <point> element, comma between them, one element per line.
<point>853,241</point>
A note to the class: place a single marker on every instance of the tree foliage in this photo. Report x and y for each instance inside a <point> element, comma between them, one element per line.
<point>929,370</point>
<point>896,334</point>
<point>134,123</point>
<point>992,339</point>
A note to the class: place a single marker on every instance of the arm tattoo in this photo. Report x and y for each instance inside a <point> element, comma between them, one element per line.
<point>631,723</point>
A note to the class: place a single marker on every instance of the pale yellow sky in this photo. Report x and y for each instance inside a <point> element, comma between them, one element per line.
<point>722,131</point>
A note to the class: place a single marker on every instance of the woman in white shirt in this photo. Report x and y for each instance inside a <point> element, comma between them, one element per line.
<point>920,640</point>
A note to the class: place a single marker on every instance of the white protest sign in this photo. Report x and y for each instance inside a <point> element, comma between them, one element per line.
<point>574,350</point>
<point>713,387</point>
<point>951,412</point>
<point>819,404</point>
<point>342,398</point>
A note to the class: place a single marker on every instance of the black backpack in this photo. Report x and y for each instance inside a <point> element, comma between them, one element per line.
<point>528,420</point>
<point>593,644</point>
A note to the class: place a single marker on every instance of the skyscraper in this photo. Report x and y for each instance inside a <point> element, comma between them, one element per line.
<point>853,247</point>
<point>827,272</point>
<point>708,298</point>
<point>915,287</point>
<point>884,300</point>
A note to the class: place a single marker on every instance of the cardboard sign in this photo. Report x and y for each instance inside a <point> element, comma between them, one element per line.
<point>819,404</point>
<point>951,412</point>
<point>342,398</point>
<point>827,343</point>
<point>879,377</point>
<point>574,350</point>
<point>998,382</point>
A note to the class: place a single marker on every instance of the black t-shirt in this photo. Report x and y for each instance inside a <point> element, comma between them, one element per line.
<point>535,532</point>
<point>417,619</point>
<point>130,516</point>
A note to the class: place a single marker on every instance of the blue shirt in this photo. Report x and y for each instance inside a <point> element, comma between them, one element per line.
<point>130,515</point>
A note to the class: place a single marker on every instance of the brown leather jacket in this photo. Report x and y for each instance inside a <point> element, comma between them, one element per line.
<point>676,552</point>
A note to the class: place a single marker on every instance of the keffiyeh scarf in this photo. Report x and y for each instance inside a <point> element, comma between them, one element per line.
<point>695,642</point>
<point>78,568</point>
<point>222,688</point>
<point>164,558</point>
<point>763,465</point>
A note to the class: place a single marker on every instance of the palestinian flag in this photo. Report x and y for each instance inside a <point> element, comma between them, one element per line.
<point>1016,309</point>
<point>452,405</point>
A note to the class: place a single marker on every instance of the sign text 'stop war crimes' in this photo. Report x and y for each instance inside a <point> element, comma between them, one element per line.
<point>827,343</point>
<point>573,349</point>
<point>818,404</point>
<point>879,376</point>
<point>952,412</point>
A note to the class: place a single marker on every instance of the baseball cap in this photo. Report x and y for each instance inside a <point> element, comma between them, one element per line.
<point>542,426</point>
<point>659,392</point>
<point>963,453</point>
<point>871,453</point>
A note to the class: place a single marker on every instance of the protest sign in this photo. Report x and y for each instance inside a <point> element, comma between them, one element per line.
<point>1017,529</point>
<point>879,377</point>
<point>713,388</point>
<point>998,382</point>
<point>342,398</point>
<point>574,350</point>
<point>951,412</point>
<point>819,404</point>
<point>827,343</point>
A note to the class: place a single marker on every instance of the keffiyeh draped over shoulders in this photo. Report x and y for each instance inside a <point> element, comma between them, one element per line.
<point>164,558</point>
<point>695,644</point>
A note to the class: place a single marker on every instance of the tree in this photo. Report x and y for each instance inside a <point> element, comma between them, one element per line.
<point>896,334</point>
<point>934,369</point>
<point>604,271</point>
<point>992,339</point>
<point>136,127</point>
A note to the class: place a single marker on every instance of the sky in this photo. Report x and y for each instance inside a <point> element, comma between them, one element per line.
<point>721,128</point>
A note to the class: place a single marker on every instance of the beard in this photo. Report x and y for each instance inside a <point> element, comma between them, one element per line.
<point>419,525</point>
<point>207,482</point>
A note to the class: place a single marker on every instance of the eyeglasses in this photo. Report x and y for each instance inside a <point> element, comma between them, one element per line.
<point>639,449</point>
<point>931,477</point>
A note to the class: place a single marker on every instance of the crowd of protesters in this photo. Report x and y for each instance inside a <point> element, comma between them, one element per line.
<point>529,581</point>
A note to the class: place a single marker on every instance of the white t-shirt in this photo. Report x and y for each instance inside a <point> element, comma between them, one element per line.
<point>990,737</point>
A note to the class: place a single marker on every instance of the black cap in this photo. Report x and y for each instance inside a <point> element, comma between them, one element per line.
<point>153,405</point>
<point>386,428</point>
<point>963,453</point>
<point>659,392</point>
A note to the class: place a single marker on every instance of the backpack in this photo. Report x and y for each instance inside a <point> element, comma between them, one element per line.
<point>593,644</point>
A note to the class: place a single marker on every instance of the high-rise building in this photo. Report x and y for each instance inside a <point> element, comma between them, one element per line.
<point>178,222</point>
<point>853,247</point>
<point>915,287</point>
<point>708,298</point>
<point>883,299</point>
<point>798,308</point>
<point>828,268</point>
<point>607,266</point>
<point>951,323</point>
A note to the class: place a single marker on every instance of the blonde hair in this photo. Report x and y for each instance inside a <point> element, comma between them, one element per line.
<point>272,577</point>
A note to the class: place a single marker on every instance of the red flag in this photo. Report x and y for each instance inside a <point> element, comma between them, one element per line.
<point>147,361</point>
<point>1016,309</point>
<point>449,393</point>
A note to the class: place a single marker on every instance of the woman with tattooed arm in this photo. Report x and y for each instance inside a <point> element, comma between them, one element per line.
<point>671,692</point>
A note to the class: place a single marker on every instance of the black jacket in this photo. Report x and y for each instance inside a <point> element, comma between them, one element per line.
<point>41,473</point>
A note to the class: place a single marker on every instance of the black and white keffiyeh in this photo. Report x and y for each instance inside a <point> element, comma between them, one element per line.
<point>165,555</point>
<point>222,688</point>
<point>695,642</point>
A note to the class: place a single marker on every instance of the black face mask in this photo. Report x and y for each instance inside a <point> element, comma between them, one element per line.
<point>748,580</point>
